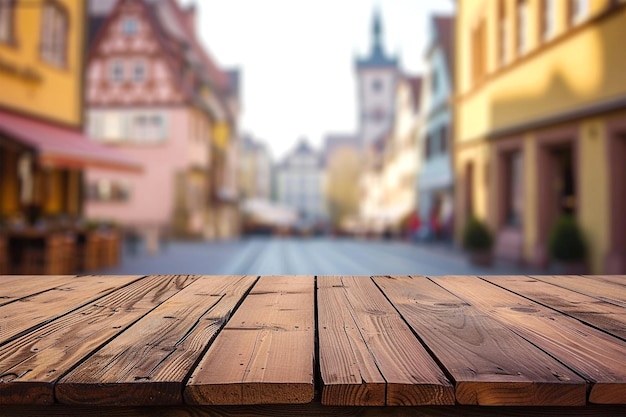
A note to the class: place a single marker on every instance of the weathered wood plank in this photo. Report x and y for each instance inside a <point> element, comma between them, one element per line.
<point>314,409</point>
<point>605,291</point>
<point>147,364</point>
<point>29,312</point>
<point>613,279</point>
<point>364,341</point>
<point>265,353</point>
<point>606,316</point>
<point>490,364</point>
<point>32,363</point>
<point>593,354</point>
<point>14,287</point>
<point>349,373</point>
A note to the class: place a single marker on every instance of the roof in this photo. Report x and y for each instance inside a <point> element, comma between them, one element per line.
<point>415,84</point>
<point>95,23</point>
<point>61,146</point>
<point>302,148</point>
<point>101,7</point>
<point>179,42</point>
<point>377,57</point>
<point>336,141</point>
<point>444,37</point>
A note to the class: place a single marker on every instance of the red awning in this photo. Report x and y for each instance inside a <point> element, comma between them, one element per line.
<point>59,146</point>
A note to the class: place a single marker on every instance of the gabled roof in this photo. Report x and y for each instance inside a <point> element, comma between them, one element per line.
<point>179,43</point>
<point>444,38</point>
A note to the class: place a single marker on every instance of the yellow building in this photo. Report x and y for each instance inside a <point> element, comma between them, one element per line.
<point>42,148</point>
<point>540,121</point>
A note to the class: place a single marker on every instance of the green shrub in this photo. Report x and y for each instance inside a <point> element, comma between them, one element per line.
<point>476,236</point>
<point>566,240</point>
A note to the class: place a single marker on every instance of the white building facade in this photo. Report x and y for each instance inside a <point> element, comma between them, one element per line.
<point>436,179</point>
<point>300,184</point>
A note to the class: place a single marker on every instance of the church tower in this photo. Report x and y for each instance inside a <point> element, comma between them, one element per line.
<point>377,75</point>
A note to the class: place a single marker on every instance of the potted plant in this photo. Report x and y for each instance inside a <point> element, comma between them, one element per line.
<point>567,246</point>
<point>478,241</point>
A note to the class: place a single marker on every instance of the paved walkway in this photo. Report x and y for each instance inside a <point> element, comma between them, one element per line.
<point>316,256</point>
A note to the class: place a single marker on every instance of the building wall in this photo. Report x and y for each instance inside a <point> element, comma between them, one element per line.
<point>551,95</point>
<point>376,104</point>
<point>300,186</point>
<point>33,86</point>
<point>401,163</point>
<point>152,194</point>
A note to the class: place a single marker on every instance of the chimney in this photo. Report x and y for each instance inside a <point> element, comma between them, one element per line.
<point>190,17</point>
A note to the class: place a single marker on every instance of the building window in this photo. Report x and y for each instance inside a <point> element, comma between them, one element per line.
<point>377,85</point>
<point>502,32</point>
<point>7,21</point>
<point>479,57</point>
<point>434,82</point>
<point>139,72</point>
<point>514,191</point>
<point>54,34</point>
<point>108,191</point>
<point>117,71</point>
<point>547,19</point>
<point>95,125</point>
<point>148,128</point>
<point>443,139</point>
<point>577,11</point>
<point>427,146</point>
<point>129,26</point>
<point>522,27</point>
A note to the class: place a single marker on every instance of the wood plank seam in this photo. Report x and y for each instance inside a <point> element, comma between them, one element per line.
<point>617,302</point>
<point>210,342</point>
<point>107,341</point>
<point>147,376</point>
<point>317,372</point>
<point>13,300</point>
<point>576,347</point>
<point>57,317</point>
<point>363,336</point>
<point>563,312</point>
<point>417,336</point>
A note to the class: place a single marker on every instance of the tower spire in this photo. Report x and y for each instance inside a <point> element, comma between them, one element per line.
<point>377,31</point>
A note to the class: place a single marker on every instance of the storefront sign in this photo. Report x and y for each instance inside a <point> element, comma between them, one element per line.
<point>26,73</point>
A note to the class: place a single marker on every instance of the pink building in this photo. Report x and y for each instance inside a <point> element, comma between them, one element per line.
<point>155,94</point>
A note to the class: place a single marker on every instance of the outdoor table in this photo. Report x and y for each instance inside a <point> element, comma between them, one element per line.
<point>40,251</point>
<point>183,345</point>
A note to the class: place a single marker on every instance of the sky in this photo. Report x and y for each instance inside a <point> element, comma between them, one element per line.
<point>296,58</point>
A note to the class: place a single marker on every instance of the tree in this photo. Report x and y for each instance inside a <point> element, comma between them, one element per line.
<point>343,172</point>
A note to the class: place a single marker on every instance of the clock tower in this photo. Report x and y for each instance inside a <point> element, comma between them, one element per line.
<point>377,75</point>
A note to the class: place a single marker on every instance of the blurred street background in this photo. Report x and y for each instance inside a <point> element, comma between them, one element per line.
<point>312,137</point>
<point>318,256</point>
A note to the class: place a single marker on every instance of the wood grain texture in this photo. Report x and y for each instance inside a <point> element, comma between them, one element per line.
<point>364,341</point>
<point>265,353</point>
<point>490,364</point>
<point>314,409</point>
<point>597,288</point>
<point>14,287</point>
<point>349,373</point>
<point>173,336</point>
<point>30,312</point>
<point>613,279</point>
<point>606,316</point>
<point>593,354</point>
<point>31,364</point>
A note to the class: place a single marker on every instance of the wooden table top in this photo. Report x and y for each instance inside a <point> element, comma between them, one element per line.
<point>312,345</point>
